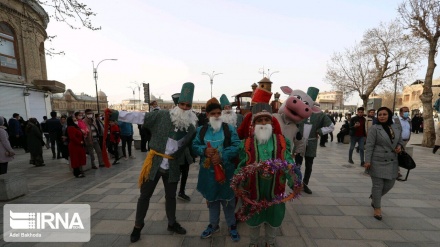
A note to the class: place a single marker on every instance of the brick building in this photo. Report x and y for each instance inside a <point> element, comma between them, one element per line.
<point>67,103</point>
<point>24,86</point>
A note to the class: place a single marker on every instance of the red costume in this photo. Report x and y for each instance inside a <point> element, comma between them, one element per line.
<point>76,148</point>
<point>245,130</point>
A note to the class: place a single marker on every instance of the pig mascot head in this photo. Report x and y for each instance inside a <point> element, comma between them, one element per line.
<point>299,105</point>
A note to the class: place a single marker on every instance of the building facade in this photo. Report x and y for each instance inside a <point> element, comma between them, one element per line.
<point>332,101</point>
<point>68,103</point>
<point>24,87</point>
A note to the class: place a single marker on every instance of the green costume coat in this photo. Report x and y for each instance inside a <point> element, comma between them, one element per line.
<point>321,124</point>
<point>161,127</point>
<point>273,215</point>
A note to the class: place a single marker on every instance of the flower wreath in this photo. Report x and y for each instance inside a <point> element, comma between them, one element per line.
<point>268,167</point>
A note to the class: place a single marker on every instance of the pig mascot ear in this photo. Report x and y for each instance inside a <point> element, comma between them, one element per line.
<point>286,90</point>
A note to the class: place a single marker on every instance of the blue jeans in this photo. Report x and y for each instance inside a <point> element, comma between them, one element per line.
<point>228,209</point>
<point>360,140</point>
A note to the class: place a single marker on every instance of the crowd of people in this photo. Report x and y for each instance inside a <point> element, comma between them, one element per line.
<point>245,162</point>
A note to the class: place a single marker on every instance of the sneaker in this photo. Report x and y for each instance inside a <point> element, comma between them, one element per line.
<point>177,228</point>
<point>184,197</point>
<point>132,157</point>
<point>307,190</point>
<point>350,161</point>
<point>101,165</point>
<point>116,162</point>
<point>209,231</point>
<point>81,176</point>
<point>234,233</point>
<point>94,167</point>
<point>136,233</point>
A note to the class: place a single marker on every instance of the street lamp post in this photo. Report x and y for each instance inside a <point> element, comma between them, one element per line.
<point>211,77</point>
<point>395,86</point>
<point>138,85</point>
<point>133,89</point>
<point>95,75</point>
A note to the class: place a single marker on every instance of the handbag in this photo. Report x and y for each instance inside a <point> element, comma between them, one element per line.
<point>406,161</point>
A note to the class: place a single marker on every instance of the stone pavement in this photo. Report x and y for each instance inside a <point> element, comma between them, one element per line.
<point>338,213</point>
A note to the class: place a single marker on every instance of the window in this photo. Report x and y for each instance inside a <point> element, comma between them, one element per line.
<point>8,50</point>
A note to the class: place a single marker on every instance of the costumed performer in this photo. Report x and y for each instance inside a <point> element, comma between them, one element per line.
<point>265,145</point>
<point>217,145</point>
<point>228,115</point>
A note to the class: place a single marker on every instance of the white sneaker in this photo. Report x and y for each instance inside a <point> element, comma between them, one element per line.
<point>132,157</point>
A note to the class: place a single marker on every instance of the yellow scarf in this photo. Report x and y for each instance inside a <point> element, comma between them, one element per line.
<point>148,163</point>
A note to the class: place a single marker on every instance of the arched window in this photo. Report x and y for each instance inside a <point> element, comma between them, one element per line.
<point>8,50</point>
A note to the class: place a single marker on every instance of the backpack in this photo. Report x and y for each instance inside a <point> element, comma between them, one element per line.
<point>226,141</point>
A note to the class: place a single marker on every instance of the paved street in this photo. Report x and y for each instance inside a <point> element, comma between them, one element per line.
<point>338,213</point>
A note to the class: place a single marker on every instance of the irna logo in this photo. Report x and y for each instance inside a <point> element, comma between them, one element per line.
<point>56,221</point>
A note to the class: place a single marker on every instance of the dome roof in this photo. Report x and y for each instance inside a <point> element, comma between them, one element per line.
<point>101,94</point>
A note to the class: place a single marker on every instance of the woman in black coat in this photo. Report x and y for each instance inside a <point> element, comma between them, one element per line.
<point>35,142</point>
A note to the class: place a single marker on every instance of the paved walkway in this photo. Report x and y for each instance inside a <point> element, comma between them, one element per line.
<point>338,213</point>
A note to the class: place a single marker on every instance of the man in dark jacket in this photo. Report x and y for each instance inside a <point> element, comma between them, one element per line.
<point>15,131</point>
<point>357,135</point>
<point>54,127</point>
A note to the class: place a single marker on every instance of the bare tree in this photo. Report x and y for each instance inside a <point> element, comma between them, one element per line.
<point>422,17</point>
<point>73,13</point>
<point>362,68</point>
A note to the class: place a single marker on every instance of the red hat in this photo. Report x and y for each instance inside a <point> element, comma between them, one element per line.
<point>261,96</point>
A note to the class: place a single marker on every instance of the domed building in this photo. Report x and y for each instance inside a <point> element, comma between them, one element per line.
<point>24,86</point>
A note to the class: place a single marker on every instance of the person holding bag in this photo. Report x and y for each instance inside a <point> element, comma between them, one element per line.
<point>384,143</point>
<point>6,151</point>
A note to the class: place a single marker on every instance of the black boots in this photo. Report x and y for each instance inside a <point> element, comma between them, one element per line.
<point>136,233</point>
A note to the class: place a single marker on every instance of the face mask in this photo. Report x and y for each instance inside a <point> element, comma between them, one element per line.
<point>406,114</point>
<point>89,115</point>
<point>76,122</point>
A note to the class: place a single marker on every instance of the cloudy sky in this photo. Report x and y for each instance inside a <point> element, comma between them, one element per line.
<point>166,43</point>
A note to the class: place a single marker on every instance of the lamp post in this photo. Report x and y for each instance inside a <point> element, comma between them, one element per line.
<point>211,77</point>
<point>95,75</point>
<point>138,85</point>
<point>395,86</point>
<point>133,89</point>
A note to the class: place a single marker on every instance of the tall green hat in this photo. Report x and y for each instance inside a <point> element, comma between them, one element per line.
<point>175,98</point>
<point>313,92</point>
<point>224,101</point>
<point>187,93</point>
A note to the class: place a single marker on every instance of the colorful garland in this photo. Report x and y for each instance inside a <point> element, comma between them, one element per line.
<point>268,167</point>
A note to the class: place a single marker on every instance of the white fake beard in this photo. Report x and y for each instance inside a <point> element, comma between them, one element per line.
<point>216,123</point>
<point>182,119</point>
<point>230,117</point>
<point>263,133</point>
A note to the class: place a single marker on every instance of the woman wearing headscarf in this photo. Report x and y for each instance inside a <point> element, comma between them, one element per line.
<point>76,147</point>
<point>384,142</point>
<point>35,142</point>
<point>6,151</point>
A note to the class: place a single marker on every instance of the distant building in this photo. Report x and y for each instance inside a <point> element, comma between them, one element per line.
<point>332,101</point>
<point>68,103</point>
<point>24,86</point>
<point>133,104</point>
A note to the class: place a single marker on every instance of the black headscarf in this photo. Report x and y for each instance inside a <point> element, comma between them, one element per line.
<point>70,122</point>
<point>387,125</point>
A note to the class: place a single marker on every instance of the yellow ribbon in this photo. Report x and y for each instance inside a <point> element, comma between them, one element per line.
<point>148,163</point>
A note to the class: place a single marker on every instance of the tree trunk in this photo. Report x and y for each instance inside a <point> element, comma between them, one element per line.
<point>364,98</point>
<point>426,98</point>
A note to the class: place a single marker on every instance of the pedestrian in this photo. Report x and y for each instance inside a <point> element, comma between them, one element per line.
<point>100,126</point>
<point>172,132</point>
<point>15,131</point>
<point>126,138</point>
<point>45,131</point>
<point>77,150</point>
<point>92,139</point>
<point>405,125</point>
<point>263,146</point>
<point>317,125</point>
<point>345,130</point>
<point>64,139</point>
<point>143,134</point>
<point>217,144</point>
<point>384,142</point>
<point>357,135</point>
<point>340,116</point>
<point>115,138</point>
<point>54,128</point>
<point>437,139</point>
<point>35,142</point>
<point>416,123</point>
<point>6,152</point>
<point>370,119</point>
